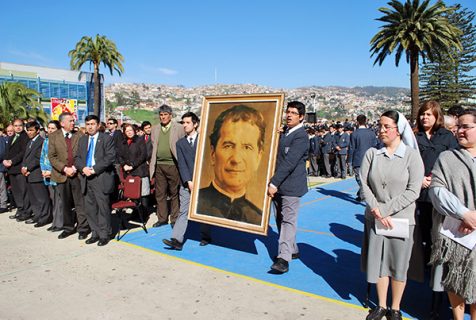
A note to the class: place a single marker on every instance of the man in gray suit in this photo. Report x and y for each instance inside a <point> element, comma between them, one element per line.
<point>95,162</point>
<point>163,165</point>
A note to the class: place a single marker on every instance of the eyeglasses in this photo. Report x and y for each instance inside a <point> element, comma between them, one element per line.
<point>385,128</point>
<point>464,127</point>
<point>110,123</point>
<point>294,113</point>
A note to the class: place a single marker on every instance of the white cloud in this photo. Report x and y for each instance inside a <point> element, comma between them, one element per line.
<point>167,71</point>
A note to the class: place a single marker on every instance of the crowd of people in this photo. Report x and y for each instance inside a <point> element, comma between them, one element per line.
<point>413,179</point>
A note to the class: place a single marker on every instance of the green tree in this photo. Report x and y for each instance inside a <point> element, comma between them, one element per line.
<point>418,30</point>
<point>449,80</point>
<point>18,101</point>
<point>96,51</point>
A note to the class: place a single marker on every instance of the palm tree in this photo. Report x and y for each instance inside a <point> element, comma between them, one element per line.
<point>96,51</point>
<point>18,101</point>
<point>418,30</point>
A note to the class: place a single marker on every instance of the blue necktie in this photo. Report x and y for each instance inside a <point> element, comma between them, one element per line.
<point>89,158</point>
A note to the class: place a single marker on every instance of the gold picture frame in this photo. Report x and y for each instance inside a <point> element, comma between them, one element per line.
<point>237,145</point>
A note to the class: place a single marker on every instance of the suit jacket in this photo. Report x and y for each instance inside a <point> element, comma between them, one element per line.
<point>104,156</point>
<point>186,159</point>
<point>327,143</point>
<point>290,176</point>
<point>361,140</point>
<point>16,151</point>
<point>343,141</point>
<point>31,160</point>
<point>176,132</point>
<point>58,153</point>
<point>118,139</point>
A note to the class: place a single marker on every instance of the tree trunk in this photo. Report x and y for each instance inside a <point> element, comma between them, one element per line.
<point>97,99</point>
<point>414,85</point>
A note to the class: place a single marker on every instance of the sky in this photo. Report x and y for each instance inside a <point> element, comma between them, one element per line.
<point>280,43</point>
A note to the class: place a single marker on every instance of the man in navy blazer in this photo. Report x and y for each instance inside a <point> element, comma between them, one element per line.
<point>95,162</point>
<point>186,152</point>
<point>342,145</point>
<point>289,183</point>
<point>360,141</point>
<point>37,190</point>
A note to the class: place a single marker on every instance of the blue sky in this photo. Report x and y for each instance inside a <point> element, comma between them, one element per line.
<point>282,44</point>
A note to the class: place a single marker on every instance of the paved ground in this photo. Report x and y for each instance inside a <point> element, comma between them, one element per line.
<point>42,277</point>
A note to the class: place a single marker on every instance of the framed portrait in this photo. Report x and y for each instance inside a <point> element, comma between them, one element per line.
<point>236,155</point>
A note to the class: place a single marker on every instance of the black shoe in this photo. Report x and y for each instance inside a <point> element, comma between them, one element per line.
<point>3,210</point>
<point>14,216</point>
<point>92,240</point>
<point>394,315</point>
<point>377,313</point>
<point>66,234</point>
<point>30,221</point>
<point>159,224</point>
<point>173,243</point>
<point>358,199</point>
<point>54,229</point>
<point>281,266</point>
<point>22,218</point>
<point>294,256</point>
<point>205,242</point>
<point>103,242</point>
<point>40,224</point>
<point>83,235</point>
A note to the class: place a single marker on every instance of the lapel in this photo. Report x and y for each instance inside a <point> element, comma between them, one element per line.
<point>98,142</point>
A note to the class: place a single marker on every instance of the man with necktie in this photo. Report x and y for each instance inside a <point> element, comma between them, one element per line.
<point>16,147</point>
<point>37,191</point>
<point>289,183</point>
<point>95,162</point>
<point>62,147</point>
<point>186,152</point>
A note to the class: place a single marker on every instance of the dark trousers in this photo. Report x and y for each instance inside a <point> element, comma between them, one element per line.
<point>357,178</point>
<point>425,222</point>
<point>167,183</point>
<point>70,194</point>
<point>40,201</point>
<point>327,164</point>
<point>18,183</point>
<point>98,209</point>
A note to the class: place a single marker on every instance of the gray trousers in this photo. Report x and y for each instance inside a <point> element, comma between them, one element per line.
<point>3,191</point>
<point>341,165</point>
<point>287,209</point>
<point>327,164</point>
<point>98,209</point>
<point>181,223</point>
<point>57,207</point>
<point>39,201</point>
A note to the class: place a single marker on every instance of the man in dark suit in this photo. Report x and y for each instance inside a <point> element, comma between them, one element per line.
<point>95,162</point>
<point>342,145</point>
<point>186,152</point>
<point>289,183</point>
<point>163,165</point>
<point>37,191</point>
<point>62,147</point>
<point>115,132</point>
<point>361,140</point>
<point>16,147</point>
<point>314,151</point>
<point>3,171</point>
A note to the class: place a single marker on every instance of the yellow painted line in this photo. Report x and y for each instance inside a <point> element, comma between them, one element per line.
<point>308,294</point>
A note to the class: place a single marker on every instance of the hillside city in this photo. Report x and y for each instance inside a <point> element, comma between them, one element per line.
<point>332,103</point>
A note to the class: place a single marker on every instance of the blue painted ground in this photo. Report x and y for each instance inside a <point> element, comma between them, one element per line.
<point>330,231</point>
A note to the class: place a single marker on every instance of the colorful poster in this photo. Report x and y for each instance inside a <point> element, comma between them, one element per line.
<point>59,105</point>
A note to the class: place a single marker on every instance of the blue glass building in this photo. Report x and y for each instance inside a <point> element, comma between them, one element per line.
<point>56,83</point>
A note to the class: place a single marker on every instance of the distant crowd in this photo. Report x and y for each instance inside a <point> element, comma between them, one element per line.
<point>413,177</point>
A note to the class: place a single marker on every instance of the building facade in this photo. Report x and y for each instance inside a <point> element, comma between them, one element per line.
<point>60,89</point>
